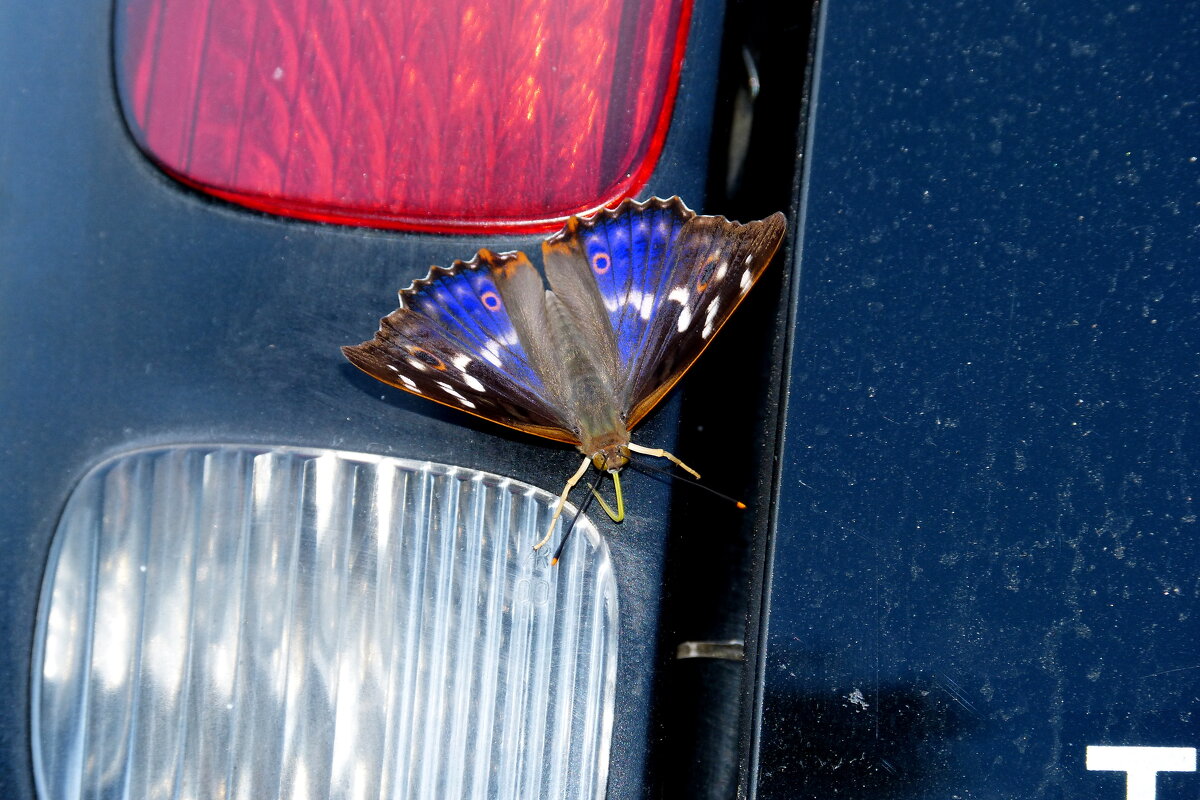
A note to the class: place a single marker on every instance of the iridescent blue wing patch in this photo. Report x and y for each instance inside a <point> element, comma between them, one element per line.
<point>627,253</point>
<point>465,303</point>
<point>663,278</point>
<point>452,340</point>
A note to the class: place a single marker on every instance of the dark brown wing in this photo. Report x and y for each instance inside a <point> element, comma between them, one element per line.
<point>713,264</point>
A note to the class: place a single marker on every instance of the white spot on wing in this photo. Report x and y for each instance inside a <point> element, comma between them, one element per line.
<point>685,319</point>
<point>709,316</point>
<point>417,365</point>
<point>450,391</point>
<point>411,384</point>
<point>749,258</point>
<point>722,270</point>
<point>744,281</point>
<point>647,306</point>
<point>393,367</point>
<point>474,383</point>
<point>491,352</point>
<point>679,294</point>
<point>641,302</point>
<point>461,362</point>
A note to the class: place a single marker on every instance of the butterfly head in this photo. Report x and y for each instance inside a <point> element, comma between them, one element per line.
<point>611,458</point>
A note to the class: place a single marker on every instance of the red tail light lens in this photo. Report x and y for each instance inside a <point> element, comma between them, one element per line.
<point>439,115</point>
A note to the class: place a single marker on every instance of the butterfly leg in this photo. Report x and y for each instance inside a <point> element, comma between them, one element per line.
<point>562,499</point>
<point>658,453</point>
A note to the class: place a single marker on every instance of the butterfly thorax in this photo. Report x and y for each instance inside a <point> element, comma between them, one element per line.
<point>590,395</point>
<point>611,458</point>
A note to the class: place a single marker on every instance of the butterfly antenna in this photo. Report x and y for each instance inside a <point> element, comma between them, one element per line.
<point>646,469</point>
<point>660,453</point>
<point>579,513</point>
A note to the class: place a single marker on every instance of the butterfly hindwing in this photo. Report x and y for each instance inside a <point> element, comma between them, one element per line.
<point>524,296</point>
<point>452,341</point>
<point>712,265</point>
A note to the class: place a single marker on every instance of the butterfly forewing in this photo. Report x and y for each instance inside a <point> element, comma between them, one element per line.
<point>466,304</point>
<point>452,341</point>
<point>610,270</point>
<point>713,263</point>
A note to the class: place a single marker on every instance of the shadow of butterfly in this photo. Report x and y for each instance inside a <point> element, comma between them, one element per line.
<point>637,293</point>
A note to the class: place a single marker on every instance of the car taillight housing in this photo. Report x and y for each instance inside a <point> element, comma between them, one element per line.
<point>432,115</point>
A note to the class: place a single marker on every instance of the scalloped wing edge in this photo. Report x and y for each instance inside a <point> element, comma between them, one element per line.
<point>483,259</point>
<point>588,221</point>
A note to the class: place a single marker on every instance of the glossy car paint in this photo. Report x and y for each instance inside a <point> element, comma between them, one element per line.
<point>986,550</point>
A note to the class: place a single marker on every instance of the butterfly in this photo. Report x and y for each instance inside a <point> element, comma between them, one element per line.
<point>636,294</point>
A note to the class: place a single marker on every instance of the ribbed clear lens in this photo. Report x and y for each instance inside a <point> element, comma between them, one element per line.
<point>250,623</point>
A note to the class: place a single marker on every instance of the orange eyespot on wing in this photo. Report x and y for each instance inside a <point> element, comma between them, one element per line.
<point>425,357</point>
<point>491,301</point>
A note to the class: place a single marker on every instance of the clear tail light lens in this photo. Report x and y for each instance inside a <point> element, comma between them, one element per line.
<point>246,622</point>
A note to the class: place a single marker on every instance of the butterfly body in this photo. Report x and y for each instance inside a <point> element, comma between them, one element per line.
<point>591,399</point>
<point>636,294</point>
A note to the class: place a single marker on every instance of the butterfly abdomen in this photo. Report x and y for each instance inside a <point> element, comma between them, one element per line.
<point>592,399</point>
